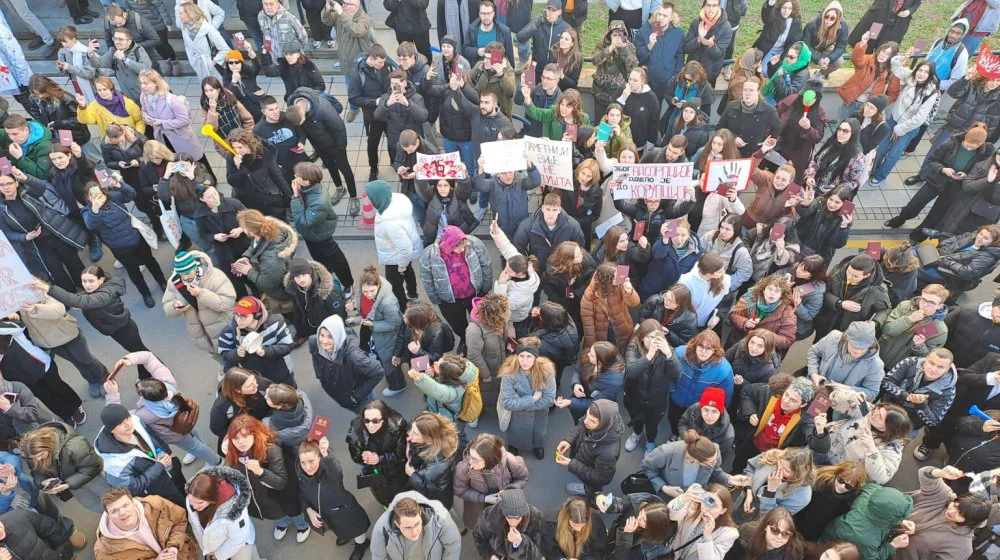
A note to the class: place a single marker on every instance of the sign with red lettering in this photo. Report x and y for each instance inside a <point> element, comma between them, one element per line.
<point>14,280</point>
<point>553,159</point>
<point>652,180</point>
<point>439,166</point>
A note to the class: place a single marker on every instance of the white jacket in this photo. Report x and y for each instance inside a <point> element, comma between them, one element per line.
<point>521,295</point>
<point>912,109</point>
<point>230,534</point>
<point>396,237</point>
<point>702,299</point>
<point>198,47</point>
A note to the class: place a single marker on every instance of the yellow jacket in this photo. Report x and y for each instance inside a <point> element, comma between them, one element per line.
<point>94,113</point>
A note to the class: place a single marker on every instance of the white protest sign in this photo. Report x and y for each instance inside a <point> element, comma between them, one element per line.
<point>14,280</point>
<point>553,159</point>
<point>502,156</point>
<point>438,166</point>
<point>652,180</point>
<point>602,228</point>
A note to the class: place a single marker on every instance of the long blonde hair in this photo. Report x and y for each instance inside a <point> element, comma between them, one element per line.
<point>162,87</point>
<point>439,433</point>
<point>570,542</point>
<point>541,371</point>
<point>156,149</point>
<point>42,440</point>
<point>800,460</point>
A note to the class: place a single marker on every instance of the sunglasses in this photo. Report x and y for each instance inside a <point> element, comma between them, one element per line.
<point>774,530</point>
<point>373,421</point>
<point>842,482</point>
<point>232,62</point>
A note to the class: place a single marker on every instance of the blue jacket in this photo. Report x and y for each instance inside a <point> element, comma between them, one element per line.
<point>666,58</point>
<point>694,380</point>
<point>666,267</point>
<point>112,223</point>
<point>607,385</point>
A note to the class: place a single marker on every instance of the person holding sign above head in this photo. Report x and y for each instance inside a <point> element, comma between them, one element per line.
<point>508,194</point>
<point>411,143</point>
<point>447,203</point>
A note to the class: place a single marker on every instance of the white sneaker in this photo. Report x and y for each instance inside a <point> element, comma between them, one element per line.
<point>301,536</point>
<point>279,532</point>
<point>188,459</point>
<point>632,442</point>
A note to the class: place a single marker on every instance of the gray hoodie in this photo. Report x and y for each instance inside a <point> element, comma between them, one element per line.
<point>439,538</point>
<point>828,357</point>
<point>334,325</point>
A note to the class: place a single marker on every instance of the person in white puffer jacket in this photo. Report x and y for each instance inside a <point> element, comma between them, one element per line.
<point>227,533</point>
<point>397,240</point>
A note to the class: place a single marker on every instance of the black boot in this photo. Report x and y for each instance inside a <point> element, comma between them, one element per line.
<point>359,550</point>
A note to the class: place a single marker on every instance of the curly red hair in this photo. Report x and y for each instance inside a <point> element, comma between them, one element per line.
<point>263,438</point>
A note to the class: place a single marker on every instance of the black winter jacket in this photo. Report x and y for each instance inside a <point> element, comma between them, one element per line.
<point>409,161</point>
<point>103,307</point>
<point>224,410</point>
<point>40,198</point>
<point>639,212</point>
<point>408,17</point>
<point>709,57</point>
<point>399,117</point>
<point>210,223</point>
<point>324,493</point>
<point>752,127</point>
<point>974,104</point>
<point>60,114</point>
<point>458,211</point>
<point>271,495</point>
<point>490,535</point>
<point>471,52</point>
<point>453,120</point>
<point>594,549</point>
<point>114,154</point>
<point>258,182</point>
<point>33,536</point>
<point>774,26</point>
<point>974,201</point>
<point>810,36</point>
<point>323,126</point>
<point>352,374</point>
<point>584,207</point>
<point>680,330</point>
<point>973,450</point>
<point>389,443</point>
<point>438,338</point>
<point>76,463</point>
<point>325,297</point>
<point>533,237</point>
<point>944,156</point>
<point>754,369</point>
<point>560,346</point>
<point>648,383</point>
<point>872,293</point>
<point>971,336</point>
<point>434,478</point>
<point>304,75</point>
<point>369,84</point>
<point>543,36</point>
<point>594,453</point>
<point>965,268</point>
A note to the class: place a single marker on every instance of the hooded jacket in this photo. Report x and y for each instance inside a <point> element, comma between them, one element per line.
<point>214,310</point>
<point>259,183</point>
<point>439,536</point>
<point>613,68</point>
<point>828,357</point>
<point>325,297</point>
<point>371,84</point>
<point>324,127</point>
<point>510,202</point>
<point>491,530</point>
<point>434,270</point>
<point>103,307</point>
<point>152,418</point>
<point>598,312</point>
<point>870,521</point>
<point>453,118</point>
<point>972,333</point>
<point>230,529</point>
<point>349,374</point>
<point>167,521</point>
<point>533,237</point>
<point>485,347</point>
<point>292,426</point>
<point>127,71</point>
<point>664,466</point>
<point>397,240</point>
<point>974,104</point>
<point>543,35</point>
<point>937,536</point>
<point>502,84</point>
<point>896,342</point>
<point>34,160</point>
<point>907,378</point>
<point>594,453</point>
<point>559,346</point>
<point>276,363</point>
<point>125,465</point>
<point>270,261</point>
<point>872,293</point>
<point>470,484</point>
<point>721,433</point>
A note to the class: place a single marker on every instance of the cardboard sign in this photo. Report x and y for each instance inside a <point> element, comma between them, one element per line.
<point>777,231</point>
<point>553,159</point>
<point>621,274</point>
<point>529,76</point>
<point>640,229</point>
<point>5,166</point>
<point>65,138</point>
<point>874,250</point>
<point>572,131</point>
<point>734,173</point>
<point>14,280</point>
<point>420,363</point>
<point>438,166</point>
<point>847,209</point>
<point>503,155</point>
<point>603,132</point>
<point>320,426</point>
<point>652,180</point>
<point>928,330</point>
<point>819,405</point>
<point>874,30</point>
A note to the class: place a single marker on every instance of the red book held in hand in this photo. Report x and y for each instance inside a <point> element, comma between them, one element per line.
<point>321,425</point>
<point>621,274</point>
<point>420,363</point>
<point>572,130</point>
<point>819,405</point>
<point>874,30</point>
<point>5,166</point>
<point>847,209</point>
<point>495,57</point>
<point>65,138</point>
<point>874,250</point>
<point>928,330</point>
<point>777,231</point>
<point>529,76</point>
<point>794,189</point>
<point>640,228</point>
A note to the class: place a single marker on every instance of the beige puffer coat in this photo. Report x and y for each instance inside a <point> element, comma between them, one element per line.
<point>215,304</point>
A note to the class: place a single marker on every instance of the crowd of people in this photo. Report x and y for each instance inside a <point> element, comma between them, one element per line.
<point>684,309</point>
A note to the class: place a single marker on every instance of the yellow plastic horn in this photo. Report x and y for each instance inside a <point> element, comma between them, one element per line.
<point>208,130</point>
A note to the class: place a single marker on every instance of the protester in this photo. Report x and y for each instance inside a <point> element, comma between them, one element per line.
<point>377,441</point>
<point>321,481</point>
<point>410,521</point>
<point>486,471</point>
<point>201,294</point>
<point>142,527</point>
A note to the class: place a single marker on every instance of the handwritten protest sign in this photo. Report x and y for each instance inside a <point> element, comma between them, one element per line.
<point>14,280</point>
<point>727,174</point>
<point>438,166</point>
<point>652,180</point>
<point>554,160</point>
<point>503,155</point>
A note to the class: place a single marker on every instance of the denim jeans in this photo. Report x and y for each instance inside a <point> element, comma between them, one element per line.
<point>300,522</point>
<point>942,136</point>
<point>190,228</point>
<point>347,86</point>
<point>767,60</point>
<point>848,110</point>
<point>419,207</point>
<point>889,151</point>
<point>193,444</point>
<point>972,44</point>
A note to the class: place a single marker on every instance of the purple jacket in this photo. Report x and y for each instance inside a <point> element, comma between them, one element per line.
<point>175,122</point>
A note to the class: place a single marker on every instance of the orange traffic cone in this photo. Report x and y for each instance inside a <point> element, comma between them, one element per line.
<point>367,213</point>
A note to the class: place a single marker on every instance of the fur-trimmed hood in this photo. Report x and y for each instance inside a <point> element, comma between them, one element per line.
<point>233,507</point>
<point>322,280</point>
<point>287,241</point>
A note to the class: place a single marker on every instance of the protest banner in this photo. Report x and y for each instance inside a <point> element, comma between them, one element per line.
<point>727,174</point>
<point>651,180</point>
<point>439,166</point>
<point>14,280</point>
<point>502,156</point>
<point>553,159</point>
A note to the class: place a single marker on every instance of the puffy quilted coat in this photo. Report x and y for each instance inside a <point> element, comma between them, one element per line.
<point>270,262</point>
<point>111,222</point>
<point>33,535</point>
<point>40,197</point>
<point>215,304</point>
<point>973,103</point>
<point>597,311</point>
<point>873,516</point>
<point>434,271</point>
<point>396,238</point>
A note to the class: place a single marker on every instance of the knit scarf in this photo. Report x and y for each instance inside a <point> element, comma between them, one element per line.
<point>115,105</point>
<point>786,70</point>
<point>762,309</point>
<point>456,17</point>
<point>707,23</point>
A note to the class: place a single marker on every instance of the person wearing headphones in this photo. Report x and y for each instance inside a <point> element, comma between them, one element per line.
<point>258,341</point>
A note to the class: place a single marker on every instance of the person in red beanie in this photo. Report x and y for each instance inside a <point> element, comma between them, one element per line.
<point>709,418</point>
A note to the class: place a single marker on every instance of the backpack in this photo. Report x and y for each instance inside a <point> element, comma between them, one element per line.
<point>185,420</point>
<point>472,401</point>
